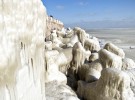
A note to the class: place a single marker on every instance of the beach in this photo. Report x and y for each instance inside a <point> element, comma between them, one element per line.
<point>122,37</point>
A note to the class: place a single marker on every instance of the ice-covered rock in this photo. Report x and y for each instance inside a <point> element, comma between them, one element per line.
<point>22,32</point>
<point>114,49</point>
<point>93,57</point>
<point>57,91</point>
<point>127,63</point>
<point>109,59</point>
<point>112,85</point>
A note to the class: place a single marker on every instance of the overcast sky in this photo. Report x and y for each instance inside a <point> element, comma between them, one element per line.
<point>93,13</point>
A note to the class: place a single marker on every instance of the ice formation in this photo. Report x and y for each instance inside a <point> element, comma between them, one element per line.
<point>36,52</point>
<point>22,32</point>
<point>94,73</point>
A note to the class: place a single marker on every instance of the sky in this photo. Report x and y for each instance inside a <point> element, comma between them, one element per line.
<point>93,13</point>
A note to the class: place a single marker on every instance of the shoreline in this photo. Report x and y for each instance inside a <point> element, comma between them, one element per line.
<point>122,37</point>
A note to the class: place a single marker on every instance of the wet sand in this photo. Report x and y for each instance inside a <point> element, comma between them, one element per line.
<point>123,38</point>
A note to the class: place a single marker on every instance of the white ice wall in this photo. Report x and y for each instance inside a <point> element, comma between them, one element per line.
<point>22,31</point>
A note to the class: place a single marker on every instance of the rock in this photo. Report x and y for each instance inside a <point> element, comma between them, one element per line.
<point>109,59</point>
<point>114,49</point>
<point>93,57</point>
<point>92,45</point>
<point>64,59</point>
<point>81,34</point>
<point>127,63</point>
<point>93,73</point>
<point>90,72</point>
<point>79,55</point>
<point>56,91</point>
<point>22,31</point>
<point>48,45</point>
<point>52,67</point>
<point>131,73</point>
<point>112,85</point>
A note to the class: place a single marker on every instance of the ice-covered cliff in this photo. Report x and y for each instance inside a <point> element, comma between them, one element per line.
<point>53,23</point>
<point>22,32</point>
